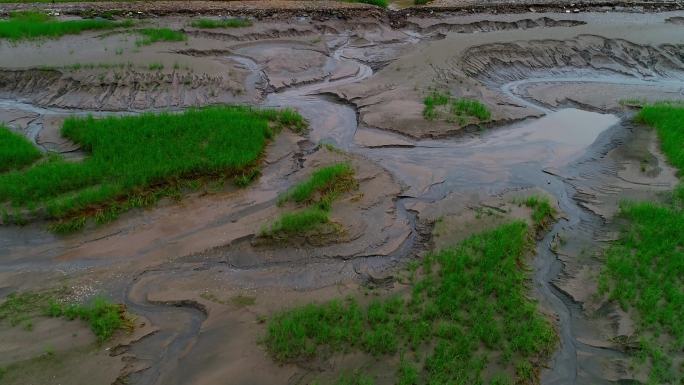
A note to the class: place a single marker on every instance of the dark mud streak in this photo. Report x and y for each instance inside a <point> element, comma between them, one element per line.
<point>164,348</point>
<point>495,25</point>
<point>504,62</point>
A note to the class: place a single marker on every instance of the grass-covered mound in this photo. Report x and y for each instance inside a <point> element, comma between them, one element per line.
<point>468,319</point>
<point>35,25</point>
<point>135,159</point>
<point>15,150</point>
<point>645,268</point>
<point>317,193</point>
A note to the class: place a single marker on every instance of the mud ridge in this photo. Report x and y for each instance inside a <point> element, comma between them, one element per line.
<point>500,63</point>
<point>265,35</point>
<point>127,89</point>
<point>495,25</point>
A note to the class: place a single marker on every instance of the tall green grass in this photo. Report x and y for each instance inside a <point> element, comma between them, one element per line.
<point>154,35</point>
<point>318,192</point>
<point>460,109</point>
<point>542,211</point>
<point>15,150</point>
<point>325,183</point>
<point>668,120</point>
<point>131,155</point>
<point>379,3</point>
<point>104,317</point>
<point>222,23</point>
<point>469,306</point>
<point>644,268</point>
<point>34,25</point>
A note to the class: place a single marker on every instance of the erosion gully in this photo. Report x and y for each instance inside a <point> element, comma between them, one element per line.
<point>524,154</point>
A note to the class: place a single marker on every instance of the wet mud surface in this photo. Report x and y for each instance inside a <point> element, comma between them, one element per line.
<point>553,82</point>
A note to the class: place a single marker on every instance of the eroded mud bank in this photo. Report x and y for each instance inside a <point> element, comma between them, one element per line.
<point>552,82</point>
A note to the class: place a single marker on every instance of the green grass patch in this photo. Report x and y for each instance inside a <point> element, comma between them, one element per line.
<point>379,3</point>
<point>469,306</point>
<point>668,120</point>
<point>470,107</point>
<point>322,186</point>
<point>104,317</point>
<point>32,25</point>
<point>461,110</point>
<point>542,211</point>
<point>154,35</point>
<point>297,222</point>
<point>317,193</point>
<point>136,160</point>
<point>16,151</point>
<point>222,23</point>
<point>644,268</point>
<point>431,102</point>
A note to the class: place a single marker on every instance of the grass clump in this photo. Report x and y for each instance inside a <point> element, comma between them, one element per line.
<point>469,305</point>
<point>222,23</point>
<point>298,222</point>
<point>318,192</point>
<point>136,160</point>
<point>379,3</point>
<point>104,317</point>
<point>470,107</point>
<point>154,35</point>
<point>460,109</point>
<point>431,102</point>
<point>644,268</point>
<point>542,211</point>
<point>668,120</point>
<point>34,25</point>
<point>326,183</point>
<point>15,150</point>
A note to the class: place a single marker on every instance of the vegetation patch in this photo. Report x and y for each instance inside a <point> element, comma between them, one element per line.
<point>34,25</point>
<point>467,319</point>
<point>318,192</point>
<point>154,35</point>
<point>136,160</point>
<point>221,23</point>
<point>322,186</point>
<point>15,150</point>
<point>104,317</point>
<point>379,3</point>
<point>644,269</point>
<point>456,110</point>
<point>542,211</point>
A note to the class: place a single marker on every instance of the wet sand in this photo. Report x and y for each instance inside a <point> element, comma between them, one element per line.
<point>552,80</point>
